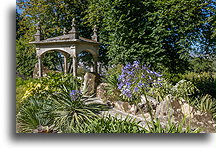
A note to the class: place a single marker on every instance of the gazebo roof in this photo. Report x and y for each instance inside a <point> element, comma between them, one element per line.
<point>71,37</point>
<point>64,39</point>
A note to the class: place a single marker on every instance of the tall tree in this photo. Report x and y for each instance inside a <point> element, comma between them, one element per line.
<point>156,32</point>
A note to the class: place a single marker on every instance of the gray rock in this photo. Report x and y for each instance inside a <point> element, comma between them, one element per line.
<point>91,81</point>
<point>176,109</point>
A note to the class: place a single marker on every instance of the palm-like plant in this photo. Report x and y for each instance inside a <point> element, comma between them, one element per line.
<point>35,112</point>
<point>73,112</point>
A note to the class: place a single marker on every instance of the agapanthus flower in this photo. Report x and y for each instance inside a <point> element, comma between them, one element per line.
<point>136,78</point>
<point>75,94</point>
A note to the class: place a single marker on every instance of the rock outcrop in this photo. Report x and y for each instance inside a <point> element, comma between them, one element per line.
<point>91,81</point>
<point>176,110</point>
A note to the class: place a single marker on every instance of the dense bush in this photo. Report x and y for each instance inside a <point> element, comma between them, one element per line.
<point>34,112</point>
<point>110,124</point>
<point>21,87</point>
<point>54,82</point>
<point>40,87</point>
<point>204,81</point>
<point>111,78</point>
<point>25,58</point>
<point>183,89</point>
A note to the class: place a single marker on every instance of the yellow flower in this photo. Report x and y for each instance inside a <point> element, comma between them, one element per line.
<point>46,88</point>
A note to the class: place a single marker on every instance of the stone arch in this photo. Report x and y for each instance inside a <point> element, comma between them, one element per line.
<point>41,53</point>
<point>94,57</point>
<point>93,52</point>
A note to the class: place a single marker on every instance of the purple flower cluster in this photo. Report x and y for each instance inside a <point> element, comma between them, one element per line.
<point>75,94</point>
<point>136,78</point>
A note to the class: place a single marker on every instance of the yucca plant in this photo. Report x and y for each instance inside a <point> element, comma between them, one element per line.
<point>35,112</point>
<point>72,110</point>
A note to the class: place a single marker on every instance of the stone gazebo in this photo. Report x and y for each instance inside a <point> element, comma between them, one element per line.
<point>70,45</point>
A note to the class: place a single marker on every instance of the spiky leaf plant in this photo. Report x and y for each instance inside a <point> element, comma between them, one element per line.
<point>35,112</point>
<point>72,110</point>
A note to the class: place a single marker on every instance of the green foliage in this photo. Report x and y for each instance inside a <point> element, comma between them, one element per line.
<point>188,91</point>
<point>71,113</point>
<point>53,15</point>
<point>204,81</point>
<point>54,82</point>
<point>160,35</point>
<point>111,78</point>
<point>204,63</point>
<point>172,77</point>
<point>21,87</point>
<point>25,58</point>
<point>18,32</point>
<point>206,104</point>
<point>170,127</point>
<point>183,89</point>
<point>110,124</point>
<point>34,112</point>
<point>113,124</point>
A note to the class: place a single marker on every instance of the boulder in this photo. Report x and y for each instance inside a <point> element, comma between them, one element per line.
<point>91,81</point>
<point>143,106</point>
<point>176,110</point>
<point>106,93</point>
<point>126,107</point>
<point>102,91</point>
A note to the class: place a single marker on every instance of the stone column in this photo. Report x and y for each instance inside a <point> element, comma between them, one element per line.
<point>95,58</point>
<point>99,67</point>
<point>40,70</point>
<point>75,66</point>
<point>65,63</point>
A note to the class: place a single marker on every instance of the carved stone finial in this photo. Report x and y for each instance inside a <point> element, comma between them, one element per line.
<point>73,22</point>
<point>94,37</point>
<point>74,33</point>
<point>38,33</point>
<point>64,31</point>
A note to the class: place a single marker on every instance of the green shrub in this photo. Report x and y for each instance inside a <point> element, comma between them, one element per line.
<point>183,89</point>
<point>21,88</point>
<point>170,127</point>
<point>54,82</point>
<point>111,78</point>
<point>172,78</point>
<point>205,82</point>
<point>73,112</point>
<point>206,104</point>
<point>35,112</point>
<point>110,124</point>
